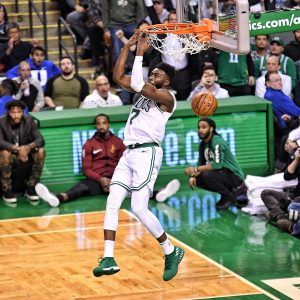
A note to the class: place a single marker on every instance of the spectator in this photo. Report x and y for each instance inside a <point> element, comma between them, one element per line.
<point>236,73</point>
<point>101,96</point>
<point>160,10</point>
<point>66,7</point>
<point>292,50</point>
<point>30,90</point>
<point>21,147</point>
<point>218,170</point>
<point>3,23</point>
<point>208,84</point>
<point>278,204</point>
<point>15,50</point>
<point>68,89</point>
<point>282,104</point>
<point>41,69</point>
<point>96,35</point>
<point>8,88</point>
<point>123,15</point>
<point>261,46</point>
<point>273,65</point>
<point>199,61</point>
<point>78,23</point>
<point>100,156</point>
<point>292,171</point>
<point>287,65</point>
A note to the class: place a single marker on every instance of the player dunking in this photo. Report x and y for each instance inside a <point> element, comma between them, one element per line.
<point>138,168</point>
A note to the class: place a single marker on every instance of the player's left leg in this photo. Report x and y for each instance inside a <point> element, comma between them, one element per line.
<point>173,255</point>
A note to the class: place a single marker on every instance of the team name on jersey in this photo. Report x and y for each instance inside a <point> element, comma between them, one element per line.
<point>143,103</point>
<point>210,155</point>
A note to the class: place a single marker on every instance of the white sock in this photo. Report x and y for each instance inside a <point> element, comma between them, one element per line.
<point>167,247</point>
<point>109,247</point>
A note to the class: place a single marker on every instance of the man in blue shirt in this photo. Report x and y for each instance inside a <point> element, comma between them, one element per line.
<point>282,104</point>
<point>41,69</point>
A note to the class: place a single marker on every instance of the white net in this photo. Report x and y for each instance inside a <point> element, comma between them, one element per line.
<point>177,45</point>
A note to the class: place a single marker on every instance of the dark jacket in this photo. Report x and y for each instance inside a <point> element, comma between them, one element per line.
<point>28,133</point>
<point>100,156</point>
<point>20,52</point>
<point>292,50</point>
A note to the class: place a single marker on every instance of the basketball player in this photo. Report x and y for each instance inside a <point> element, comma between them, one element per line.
<point>218,170</point>
<point>138,168</point>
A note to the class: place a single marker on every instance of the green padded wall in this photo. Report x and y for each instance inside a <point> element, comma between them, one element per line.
<point>247,130</point>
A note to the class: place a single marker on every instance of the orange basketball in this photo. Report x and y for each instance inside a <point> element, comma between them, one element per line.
<point>204,104</point>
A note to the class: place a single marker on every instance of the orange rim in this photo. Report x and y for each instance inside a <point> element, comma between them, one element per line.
<point>205,28</point>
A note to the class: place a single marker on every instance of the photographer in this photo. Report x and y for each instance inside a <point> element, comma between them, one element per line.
<point>283,210</point>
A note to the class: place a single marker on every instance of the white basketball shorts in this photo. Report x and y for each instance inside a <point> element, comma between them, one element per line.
<point>138,168</point>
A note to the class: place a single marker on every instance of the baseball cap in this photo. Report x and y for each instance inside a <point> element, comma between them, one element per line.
<point>276,39</point>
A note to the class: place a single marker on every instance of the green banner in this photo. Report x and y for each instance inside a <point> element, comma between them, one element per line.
<point>274,22</point>
<point>180,145</point>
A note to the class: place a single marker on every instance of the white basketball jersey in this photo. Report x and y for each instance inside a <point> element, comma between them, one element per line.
<point>146,122</point>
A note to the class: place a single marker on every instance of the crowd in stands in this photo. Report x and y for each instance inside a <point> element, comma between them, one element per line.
<point>100,25</point>
<point>271,70</point>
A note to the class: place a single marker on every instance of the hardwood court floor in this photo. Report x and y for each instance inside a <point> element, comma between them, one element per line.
<point>53,258</point>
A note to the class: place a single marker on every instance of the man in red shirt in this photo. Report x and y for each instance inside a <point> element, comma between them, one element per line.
<point>100,156</point>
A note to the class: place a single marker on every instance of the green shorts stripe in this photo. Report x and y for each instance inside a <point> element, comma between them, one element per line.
<point>126,187</point>
<point>150,172</point>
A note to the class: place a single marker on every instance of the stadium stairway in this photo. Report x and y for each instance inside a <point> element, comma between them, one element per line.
<point>85,67</point>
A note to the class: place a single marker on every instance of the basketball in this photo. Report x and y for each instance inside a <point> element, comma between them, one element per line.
<point>204,104</point>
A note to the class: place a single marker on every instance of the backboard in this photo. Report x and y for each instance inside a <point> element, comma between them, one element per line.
<point>230,21</point>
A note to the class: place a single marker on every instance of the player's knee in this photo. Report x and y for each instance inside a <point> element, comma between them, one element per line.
<point>137,209</point>
<point>115,198</point>
<point>139,201</point>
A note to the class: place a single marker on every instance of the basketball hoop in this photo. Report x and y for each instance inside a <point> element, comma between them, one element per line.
<point>178,39</point>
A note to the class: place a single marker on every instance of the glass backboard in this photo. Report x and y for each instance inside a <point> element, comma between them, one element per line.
<point>230,21</point>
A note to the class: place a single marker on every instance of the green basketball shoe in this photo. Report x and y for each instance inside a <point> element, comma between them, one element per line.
<point>107,266</point>
<point>172,262</point>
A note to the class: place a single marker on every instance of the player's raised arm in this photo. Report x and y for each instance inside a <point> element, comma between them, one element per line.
<point>119,69</point>
<point>158,85</point>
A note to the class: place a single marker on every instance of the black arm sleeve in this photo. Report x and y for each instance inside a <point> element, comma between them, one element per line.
<point>289,176</point>
<point>250,64</point>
